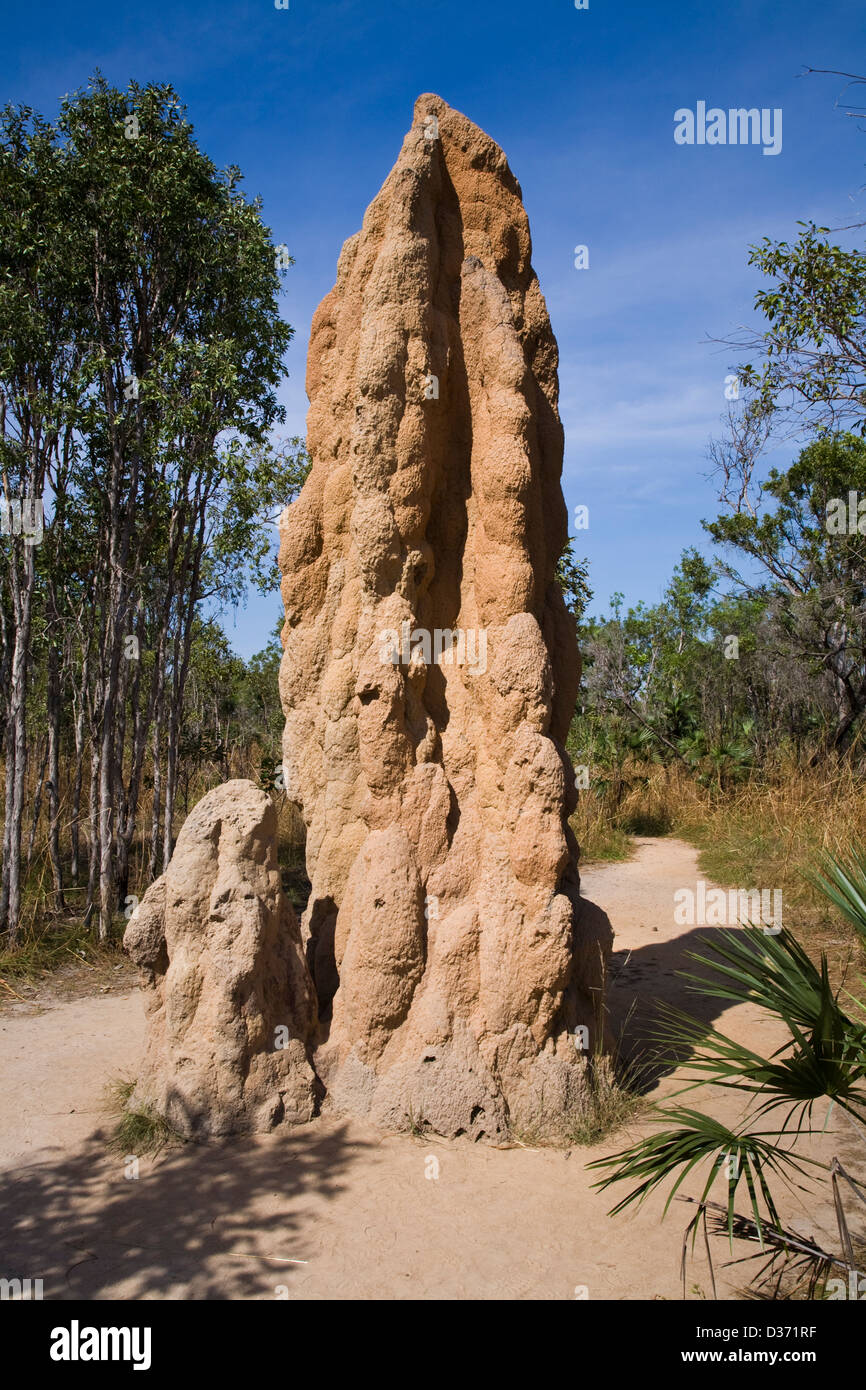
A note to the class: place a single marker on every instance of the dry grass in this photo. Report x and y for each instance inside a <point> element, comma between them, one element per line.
<point>766,832</point>
<point>49,938</point>
<point>138,1130</point>
<point>635,801</point>
<point>598,835</point>
<point>770,834</point>
<point>614,1096</point>
<point>65,947</point>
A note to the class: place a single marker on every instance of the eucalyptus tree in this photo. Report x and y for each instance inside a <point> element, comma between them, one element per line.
<point>810,359</point>
<point>144,349</point>
<point>185,353</point>
<point>38,388</point>
<point>786,551</point>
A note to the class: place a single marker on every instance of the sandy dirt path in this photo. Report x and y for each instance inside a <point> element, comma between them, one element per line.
<point>335,1210</point>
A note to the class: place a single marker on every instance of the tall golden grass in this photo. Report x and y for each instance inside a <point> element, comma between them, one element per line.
<point>38,894</point>
<point>766,832</point>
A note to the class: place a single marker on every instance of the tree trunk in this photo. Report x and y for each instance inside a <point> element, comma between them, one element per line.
<point>16,748</point>
<point>37,806</point>
<point>93,817</point>
<point>75,821</point>
<point>54,715</point>
<point>153,867</point>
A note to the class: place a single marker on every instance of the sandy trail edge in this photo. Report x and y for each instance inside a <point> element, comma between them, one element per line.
<point>335,1210</point>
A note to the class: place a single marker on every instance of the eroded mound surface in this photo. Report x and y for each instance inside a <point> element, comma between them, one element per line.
<point>431,668</point>
<point>231,1009</point>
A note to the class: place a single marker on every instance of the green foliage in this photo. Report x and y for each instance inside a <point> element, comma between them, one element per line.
<point>652,678</point>
<point>700,1140</point>
<point>141,347</point>
<point>572,575</point>
<point>262,480</point>
<point>231,706</point>
<point>786,587</point>
<point>734,661</point>
<point>815,346</point>
<point>843,881</point>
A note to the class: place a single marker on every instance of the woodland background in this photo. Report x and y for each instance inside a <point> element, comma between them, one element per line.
<point>141,345</point>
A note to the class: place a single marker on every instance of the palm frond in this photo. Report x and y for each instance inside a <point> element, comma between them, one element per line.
<point>750,965</point>
<point>673,1153</point>
<point>843,882</point>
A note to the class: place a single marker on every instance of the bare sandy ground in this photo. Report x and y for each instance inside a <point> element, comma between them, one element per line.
<point>335,1210</point>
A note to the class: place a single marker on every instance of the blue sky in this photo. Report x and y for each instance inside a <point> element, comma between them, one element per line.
<point>313,102</point>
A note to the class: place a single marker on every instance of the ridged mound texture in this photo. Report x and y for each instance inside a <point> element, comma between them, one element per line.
<point>231,1010</point>
<point>443,932</point>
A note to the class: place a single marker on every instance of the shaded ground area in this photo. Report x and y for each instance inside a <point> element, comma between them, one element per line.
<point>335,1210</point>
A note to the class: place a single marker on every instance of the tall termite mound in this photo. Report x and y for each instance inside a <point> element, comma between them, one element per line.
<point>431,668</point>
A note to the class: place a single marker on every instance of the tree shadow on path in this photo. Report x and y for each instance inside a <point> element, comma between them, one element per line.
<point>640,979</point>
<point>226,1220</point>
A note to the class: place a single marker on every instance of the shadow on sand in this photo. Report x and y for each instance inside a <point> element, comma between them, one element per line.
<point>640,980</point>
<point>215,1221</point>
